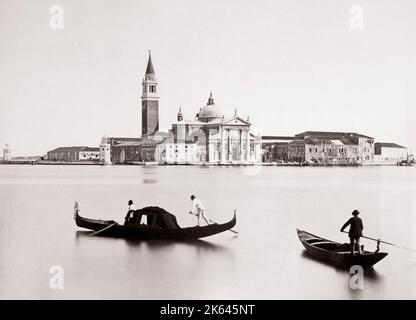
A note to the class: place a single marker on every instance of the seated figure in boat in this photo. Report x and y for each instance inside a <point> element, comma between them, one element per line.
<point>130,211</point>
<point>133,217</point>
<point>355,232</point>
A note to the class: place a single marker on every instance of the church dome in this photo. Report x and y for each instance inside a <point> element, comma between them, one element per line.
<point>210,111</point>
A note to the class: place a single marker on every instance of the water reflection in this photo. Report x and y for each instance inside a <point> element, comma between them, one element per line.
<point>305,255</point>
<point>200,246</point>
<point>149,181</point>
<point>80,234</point>
<point>149,169</point>
<point>369,272</point>
<point>371,276</point>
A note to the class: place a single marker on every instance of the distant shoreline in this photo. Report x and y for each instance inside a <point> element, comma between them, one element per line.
<point>263,164</point>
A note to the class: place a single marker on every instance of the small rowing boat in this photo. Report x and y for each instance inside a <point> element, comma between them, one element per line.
<point>160,225</point>
<point>337,253</point>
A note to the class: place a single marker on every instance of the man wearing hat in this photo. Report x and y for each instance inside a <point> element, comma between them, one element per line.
<point>130,212</point>
<point>356,230</point>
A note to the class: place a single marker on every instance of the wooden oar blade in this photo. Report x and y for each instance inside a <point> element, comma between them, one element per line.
<point>99,231</point>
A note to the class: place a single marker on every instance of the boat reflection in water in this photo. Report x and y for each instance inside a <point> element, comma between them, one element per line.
<point>175,250</point>
<point>158,244</point>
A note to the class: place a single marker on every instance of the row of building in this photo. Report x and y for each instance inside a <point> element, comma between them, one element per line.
<point>331,148</point>
<point>213,138</point>
<point>311,147</point>
<point>208,138</point>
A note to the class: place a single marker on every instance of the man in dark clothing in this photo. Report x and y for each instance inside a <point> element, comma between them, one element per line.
<point>130,212</point>
<point>356,230</point>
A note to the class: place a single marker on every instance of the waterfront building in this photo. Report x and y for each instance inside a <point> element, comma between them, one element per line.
<point>320,147</point>
<point>346,148</point>
<point>389,153</point>
<point>105,152</point>
<point>217,139</point>
<point>170,152</point>
<point>296,151</point>
<point>123,150</point>
<point>324,152</point>
<point>74,153</point>
<point>134,150</point>
<point>275,148</point>
<point>7,153</point>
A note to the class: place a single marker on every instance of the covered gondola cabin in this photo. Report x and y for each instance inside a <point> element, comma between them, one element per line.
<point>154,217</point>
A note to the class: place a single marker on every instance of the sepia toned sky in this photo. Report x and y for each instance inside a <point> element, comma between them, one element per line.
<point>289,65</point>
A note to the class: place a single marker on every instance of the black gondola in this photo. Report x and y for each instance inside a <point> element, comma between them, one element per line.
<point>160,225</point>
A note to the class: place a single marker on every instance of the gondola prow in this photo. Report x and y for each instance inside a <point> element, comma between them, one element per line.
<point>76,209</point>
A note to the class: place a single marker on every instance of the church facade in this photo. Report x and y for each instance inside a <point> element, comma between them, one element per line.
<point>210,138</point>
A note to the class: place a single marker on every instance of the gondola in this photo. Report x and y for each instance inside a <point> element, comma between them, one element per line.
<point>337,253</point>
<point>160,225</point>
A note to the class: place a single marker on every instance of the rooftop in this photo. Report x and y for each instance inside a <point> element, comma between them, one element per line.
<point>297,143</point>
<point>75,149</point>
<point>278,138</point>
<point>331,134</point>
<point>388,145</point>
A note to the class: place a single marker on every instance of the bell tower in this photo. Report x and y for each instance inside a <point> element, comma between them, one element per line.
<point>150,101</point>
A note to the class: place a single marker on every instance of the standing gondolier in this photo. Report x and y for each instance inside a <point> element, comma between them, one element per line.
<point>198,210</point>
<point>356,230</point>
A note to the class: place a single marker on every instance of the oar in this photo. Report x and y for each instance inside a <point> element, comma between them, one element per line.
<point>385,242</point>
<point>99,231</point>
<point>236,232</point>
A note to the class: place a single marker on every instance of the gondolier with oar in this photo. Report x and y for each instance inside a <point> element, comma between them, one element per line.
<point>356,230</point>
<point>198,210</point>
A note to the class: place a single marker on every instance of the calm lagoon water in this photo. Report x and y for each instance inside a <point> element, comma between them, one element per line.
<point>266,260</point>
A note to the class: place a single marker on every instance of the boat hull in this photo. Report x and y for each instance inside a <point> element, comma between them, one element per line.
<point>337,253</point>
<point>148,232</point>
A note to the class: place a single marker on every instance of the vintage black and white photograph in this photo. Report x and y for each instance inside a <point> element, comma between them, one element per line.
<point>207,150</point>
